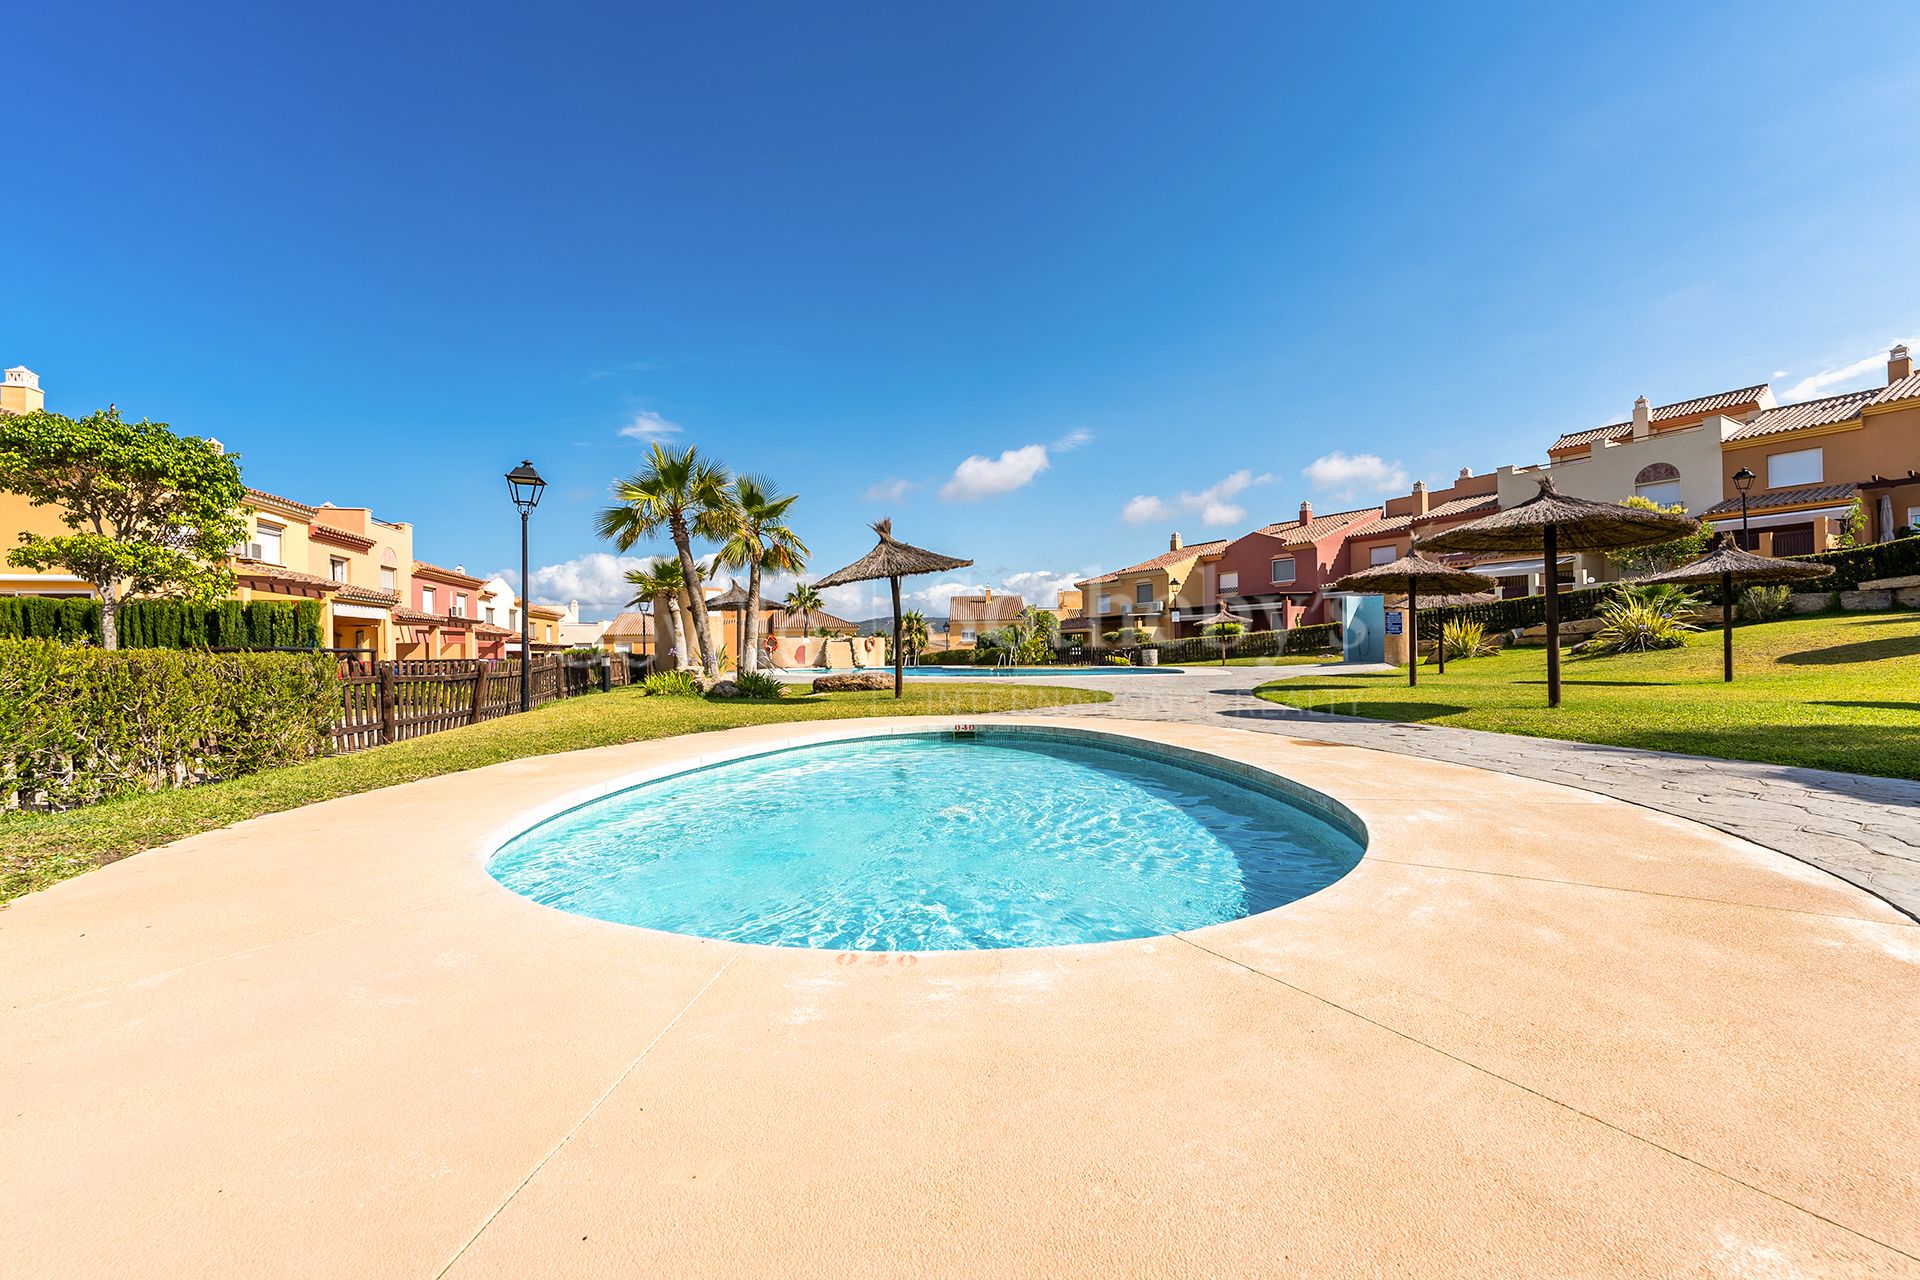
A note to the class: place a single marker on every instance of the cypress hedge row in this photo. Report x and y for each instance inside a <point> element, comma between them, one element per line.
<point>1321,637</point>
<point>167,624</point>
<point>79,724</point>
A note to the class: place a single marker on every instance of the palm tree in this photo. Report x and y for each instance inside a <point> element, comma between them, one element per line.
<point>913,633</point>
<point>665,578</point>
<point>802,600</point>
<point>759,538</point>
<point>687,495</point>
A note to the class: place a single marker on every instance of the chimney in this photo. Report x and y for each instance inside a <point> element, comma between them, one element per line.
<point>218,448</point>
<point>986,594</point>
<point>1642,419</point>
<point>1899,364</point>
<point>20,391</point>
<point>1466,473</point>
<point>1420,499</point>
<point>1306,513</point>
<point>1174,543</point>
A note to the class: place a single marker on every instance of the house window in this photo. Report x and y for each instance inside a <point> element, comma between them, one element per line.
<point>1913,517</point>
<point>1802,466</point>
<point>1229,582</point>
<point>1665,493</point>
<point>336,568</point>
<point>267,542</point>
<point>967,634</point>
<point>1143,593</point>
<point>1381,555</point>
<point>1106,604</point>
<point>389,579</point>
<point>460,605</point>
<point>489,615</point>
<point>1282,569</point>
<point>426,599</point>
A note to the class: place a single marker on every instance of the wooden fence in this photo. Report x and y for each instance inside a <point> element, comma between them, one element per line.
<point>392,701</point>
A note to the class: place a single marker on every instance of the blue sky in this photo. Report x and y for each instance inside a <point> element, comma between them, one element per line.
<point>1117,252</point>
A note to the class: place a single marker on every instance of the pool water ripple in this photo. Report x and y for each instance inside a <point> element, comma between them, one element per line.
<point>921,843</point>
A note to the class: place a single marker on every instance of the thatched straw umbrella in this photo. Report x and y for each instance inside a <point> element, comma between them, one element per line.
<point>1220,618</point>
<point>1728,564</point>
<point>734,600</point>
<point>1551,522</point>
<point>1412,574</point>
<point>892,560</point>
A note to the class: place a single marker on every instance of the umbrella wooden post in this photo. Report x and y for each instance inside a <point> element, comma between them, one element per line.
<point>1726,620</point>
<point>1413,634</point>
<point>899,655</point>
<point>1552,576</point>
<point>1440,649</point>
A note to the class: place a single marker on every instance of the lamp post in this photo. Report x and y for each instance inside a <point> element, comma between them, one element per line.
<point>1743,481</point>
<point>525,486</point>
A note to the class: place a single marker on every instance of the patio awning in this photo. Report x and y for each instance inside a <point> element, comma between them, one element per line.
<point>1515,568</point>
<point>1773,519</point>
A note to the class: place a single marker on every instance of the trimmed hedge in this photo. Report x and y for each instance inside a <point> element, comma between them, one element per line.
<point>167,624</point>
<point>80,725</point>
<point>1855,565</point>
<point>1851,567</point>
<point>1321,637</point>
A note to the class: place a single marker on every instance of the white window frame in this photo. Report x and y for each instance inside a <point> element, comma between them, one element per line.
<point>428,598</point>
<point>1143,592</point>
<point>1381,555</point>
<point>459,608</point>
<point>337,568</point>
<point>265,531</point>
<point>1273,569</point>
<point>389,578</point>
<point>1791,470</point>
<point>1230,582</point>
<point>1913,517</point>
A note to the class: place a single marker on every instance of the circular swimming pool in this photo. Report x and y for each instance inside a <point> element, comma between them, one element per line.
<point>933,842</point>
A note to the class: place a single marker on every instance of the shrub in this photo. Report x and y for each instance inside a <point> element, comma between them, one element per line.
<point>758,684</point>
<point>1763,604</point>
<point>1639,619</point>
<point>1119,661</point>
<point>671,684</point>
<point>1464,638</point>
<point>79,724</point>
<point>168,624</point>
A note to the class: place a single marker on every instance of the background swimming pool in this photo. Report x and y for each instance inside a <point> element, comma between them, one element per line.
<point>931,843</point>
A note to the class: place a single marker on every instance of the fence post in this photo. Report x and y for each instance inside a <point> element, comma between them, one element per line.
<point>479,688</point>
<point>389,731</point>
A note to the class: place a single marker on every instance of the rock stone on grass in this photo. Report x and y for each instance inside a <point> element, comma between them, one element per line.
<point>724,689</point>
<point>852,684</point>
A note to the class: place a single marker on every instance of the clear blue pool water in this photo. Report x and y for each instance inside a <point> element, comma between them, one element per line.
<point>931,843</point>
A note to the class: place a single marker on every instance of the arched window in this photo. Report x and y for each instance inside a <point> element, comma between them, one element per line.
<point>1659,482</point>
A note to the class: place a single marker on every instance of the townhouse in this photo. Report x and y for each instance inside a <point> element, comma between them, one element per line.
<point>1274,576</point>
<point>1152,596</point>
<point>970,617</point>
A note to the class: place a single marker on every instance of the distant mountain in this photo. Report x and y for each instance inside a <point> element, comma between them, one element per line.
<point>884,626</point>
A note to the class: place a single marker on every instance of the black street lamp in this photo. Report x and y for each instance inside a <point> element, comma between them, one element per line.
<point>1743,481</point>
<point>525,484</point>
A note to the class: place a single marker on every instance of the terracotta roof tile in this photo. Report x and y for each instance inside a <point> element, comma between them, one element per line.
<point>1808,413</point>
<point>1714,403</point>
<point>365,595</point>
<point>262,495</point>
<point>983,610</point>
<point>245,568</point>
<point>339,537</point>
<point>781,620</point>
<point>629,624</point>
<point>1161,561</point>
<point>1299,535</point>
<point>1905,389</point>
<point>1810,495</point>
<point>422,569</point>
<point>1454,510</point>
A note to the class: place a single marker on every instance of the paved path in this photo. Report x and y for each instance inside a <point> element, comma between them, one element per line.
<point>1864,830</point>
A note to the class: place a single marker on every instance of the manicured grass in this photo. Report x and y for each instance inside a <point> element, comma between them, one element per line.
<point>38,849</point>
<point>1827,692</point>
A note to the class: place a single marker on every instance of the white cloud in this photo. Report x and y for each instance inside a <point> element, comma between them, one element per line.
<point>983,477</point>
<point>598,580</point>
<point>1212,504</point>
<point>1146,509</point>
<point>1040,586</point>
<point>1857,376</point>
<point>1350,477</point>
<point>892,489</point>
<point>648,425</point>
<point>1072,440</point>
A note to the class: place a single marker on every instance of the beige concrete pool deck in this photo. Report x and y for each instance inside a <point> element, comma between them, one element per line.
<point>1536,1032</point>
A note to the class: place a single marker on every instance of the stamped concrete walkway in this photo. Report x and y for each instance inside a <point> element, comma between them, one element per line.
<point>1864,830</point>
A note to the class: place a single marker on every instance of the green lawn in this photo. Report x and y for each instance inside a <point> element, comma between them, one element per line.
<point>38,849</point>
<point>1828,692</point>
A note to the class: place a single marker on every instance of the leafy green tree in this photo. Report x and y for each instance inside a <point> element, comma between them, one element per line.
<point>688,496</point>
<point>151,512</point>
<point>914,635</point>
<point>758,537</point>
<point>664,580</point>
<point>1662,555</point>
<point>802,600</point>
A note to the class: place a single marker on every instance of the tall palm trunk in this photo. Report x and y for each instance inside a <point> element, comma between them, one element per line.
<point>676,627</point>
<point>750,641</point>
<point>696,597</point>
